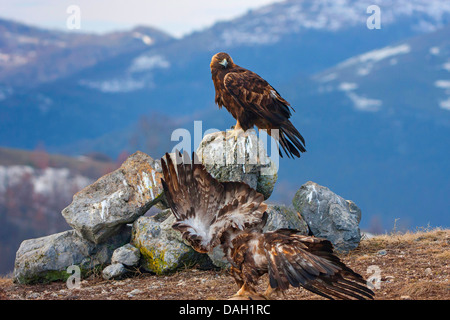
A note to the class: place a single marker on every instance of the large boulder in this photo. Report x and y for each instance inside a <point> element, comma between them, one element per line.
<point>283,217</point>
<point>162,248</point>
<point>329,216</point>
<point>102,208</point>
<point>236,155</point>
<point>46,259</point>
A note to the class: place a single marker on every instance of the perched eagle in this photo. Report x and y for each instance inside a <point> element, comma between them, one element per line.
<point>210,213</point>
<point>251,100</point>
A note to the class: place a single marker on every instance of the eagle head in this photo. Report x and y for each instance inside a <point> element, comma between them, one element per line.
<point>221,60</point>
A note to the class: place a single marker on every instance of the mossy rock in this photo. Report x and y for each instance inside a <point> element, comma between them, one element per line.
<point>163,251</point>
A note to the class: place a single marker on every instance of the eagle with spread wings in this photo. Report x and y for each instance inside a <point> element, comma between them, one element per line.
<point>210,213</point>
<point>251,100</point>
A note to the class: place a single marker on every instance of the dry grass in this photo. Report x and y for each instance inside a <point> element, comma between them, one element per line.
<point>412,265</point>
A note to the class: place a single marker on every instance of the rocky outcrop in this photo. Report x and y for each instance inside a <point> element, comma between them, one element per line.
<point>47,259</point>
<point>239,156</point>
<point>102,208</point>
<point>100,215</point>
<point>329,215</point>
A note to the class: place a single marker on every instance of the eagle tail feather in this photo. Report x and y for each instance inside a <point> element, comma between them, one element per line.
<point>291,141</point>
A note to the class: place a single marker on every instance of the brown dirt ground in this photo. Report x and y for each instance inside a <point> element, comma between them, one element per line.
<point>411,266</point>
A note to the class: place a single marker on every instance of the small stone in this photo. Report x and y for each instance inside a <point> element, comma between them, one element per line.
<point>405,298</point>
<point>114,271</point>
<point>428,272</point>
<point>134,293</point>
<point>128,255</point>
<point>33,295</point>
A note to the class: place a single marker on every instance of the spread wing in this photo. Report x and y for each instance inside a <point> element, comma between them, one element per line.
<point>309,262</point>
<point>204,207</point>
<point>262,101</point>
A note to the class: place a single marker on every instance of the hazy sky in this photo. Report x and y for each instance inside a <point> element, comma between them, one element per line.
<point>177,17</point>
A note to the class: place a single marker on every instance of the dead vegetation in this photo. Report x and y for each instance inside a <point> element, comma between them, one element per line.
<point>411,265</point>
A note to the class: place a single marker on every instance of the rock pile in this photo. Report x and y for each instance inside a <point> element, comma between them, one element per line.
<point>111,233</point>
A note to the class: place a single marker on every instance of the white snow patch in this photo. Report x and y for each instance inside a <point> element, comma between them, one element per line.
<point>445,104</point>
<point>377,55</point>
<point>446,66</point>
<point>443,84</point>
<point>48,181</point>
<point>115,85</point>
<point>347,86</point>
<point>144,38</point>
<point>328,77</point>
<point>435,51</point>
<point>363,103</point>
<point>148,62</point>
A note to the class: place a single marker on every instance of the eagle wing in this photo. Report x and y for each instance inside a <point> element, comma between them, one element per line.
<point>309,262</point>
<point>204,207</point>
<point>258,99</point>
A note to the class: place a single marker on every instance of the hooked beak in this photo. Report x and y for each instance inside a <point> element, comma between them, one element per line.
<point>224,62</point>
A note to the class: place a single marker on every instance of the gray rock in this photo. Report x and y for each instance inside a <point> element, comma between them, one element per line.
<point>162,248</point>
<point>134,293</point>
<point>244,158</point>
<point>114,271</point>
<point>99,210</point>
<point>329,215</point>
<point>46,259</point>
<point>127,255</point>
<point>283,217</point>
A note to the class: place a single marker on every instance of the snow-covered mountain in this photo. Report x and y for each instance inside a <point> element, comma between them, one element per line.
<point>409,76</point>
<point>269,24</point>
<point>30,56</point>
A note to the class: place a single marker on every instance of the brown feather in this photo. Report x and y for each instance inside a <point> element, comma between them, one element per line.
<point>309,262</point>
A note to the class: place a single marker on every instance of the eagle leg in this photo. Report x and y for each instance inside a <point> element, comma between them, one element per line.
<point>247,292</point>
<point>234,132</point>
<point>270,292</point>
<point>235,273</point>
<point>237,126</point>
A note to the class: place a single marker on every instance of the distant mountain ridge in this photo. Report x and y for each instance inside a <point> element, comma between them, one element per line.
<point>30,56</point>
